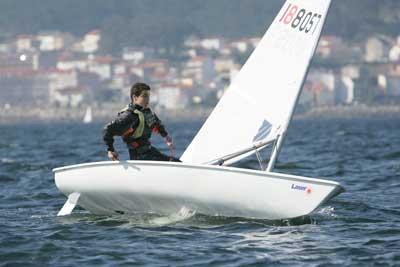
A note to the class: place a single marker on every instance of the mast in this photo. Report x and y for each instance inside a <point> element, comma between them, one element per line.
<point>278,145</point>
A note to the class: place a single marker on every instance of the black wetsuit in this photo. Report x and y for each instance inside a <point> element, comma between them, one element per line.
<point>125,125</point>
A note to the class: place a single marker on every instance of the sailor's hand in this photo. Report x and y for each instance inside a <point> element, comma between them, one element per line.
<point>170,144</point>
<point>168,141</point>
<point>113,155</point>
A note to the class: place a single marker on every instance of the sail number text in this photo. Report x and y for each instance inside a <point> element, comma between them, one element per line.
<point>300,19</point>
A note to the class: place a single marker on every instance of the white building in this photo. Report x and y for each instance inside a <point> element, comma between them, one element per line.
<point>69,62</point>
<point>319,89</point>
<point>101,65</point>
<point>68,97</point>
<point>377,49</point>
<point>137,55</point>
<point>240,45</point>
<point>90,42</point>
<point>201,69</point>
<point>171,96</point>
<point>224,64</point>
<point>344,90</point>
<point>394,53</point>
<point>327,45</point>
<point>53,41</point>
<point>24,42</point>
<point>351,71</point>
<point>211,43</point>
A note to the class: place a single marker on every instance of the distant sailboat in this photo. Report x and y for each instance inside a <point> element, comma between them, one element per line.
<point>253,113</point>
<point>88,118</point>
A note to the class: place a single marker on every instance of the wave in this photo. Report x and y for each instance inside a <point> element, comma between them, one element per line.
<point>183,214</point>
<point>7,160</point>
<point>392,155</point>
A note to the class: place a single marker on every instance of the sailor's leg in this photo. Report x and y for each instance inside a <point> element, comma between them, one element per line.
<point>154,154</point>
<point>69,204</point>
<point>133,155</point>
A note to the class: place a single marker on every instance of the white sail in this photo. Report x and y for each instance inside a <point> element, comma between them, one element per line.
<point>88,118</point>
<point>259,103</point>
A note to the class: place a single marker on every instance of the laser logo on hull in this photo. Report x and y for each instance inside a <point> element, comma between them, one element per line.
<point>301,188</point>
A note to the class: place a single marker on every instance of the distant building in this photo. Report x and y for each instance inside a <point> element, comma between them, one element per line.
<point>377,49</point>
<point>137,70</point>
<point>30,87</point>
<point>255,41</point>
<point>137,55</point>
<point>5,48</point>
<point>192,42</point>
<point>344,90</point>
<point>394,53</point>
<point>211,43</point>
<point>24,42</point>
<point>171,96</point>
<point>224,64</point>
<point>388,83</point>
<point>393,86</point>
<point>90,81</point>
<point>61,79</point>
<point>54,41</point>
<point>72,61</point>
<point>327,45</point>
<point>240,45</point>
<point>351,71</point>
<point>89,44</point>
<point>23,88</point>
<point>319,89</point>
<point>151,70</point>
<point>121,81</point>
<point>201,69</point>
<point>101,65</point>
<point>28,60</point>
<point>68,97</point>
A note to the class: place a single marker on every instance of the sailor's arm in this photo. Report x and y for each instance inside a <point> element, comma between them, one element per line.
<point>117,128</point>
<point>160,128</point>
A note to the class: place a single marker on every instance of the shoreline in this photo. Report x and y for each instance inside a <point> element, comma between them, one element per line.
<point>108,112</point>
<point>104,114</point>
<point>349,112</point>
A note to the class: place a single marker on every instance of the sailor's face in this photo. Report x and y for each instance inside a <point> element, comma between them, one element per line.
<point>143,99</point>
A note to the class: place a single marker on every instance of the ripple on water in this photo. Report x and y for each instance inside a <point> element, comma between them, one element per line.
<point>4,178</point>
<point>392,155</point>
<point>7,160</point>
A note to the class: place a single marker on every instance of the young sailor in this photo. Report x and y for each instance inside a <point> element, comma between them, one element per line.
<point>135,124</point>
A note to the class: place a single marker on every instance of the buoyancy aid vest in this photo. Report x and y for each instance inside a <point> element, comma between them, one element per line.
<point>139,130</point>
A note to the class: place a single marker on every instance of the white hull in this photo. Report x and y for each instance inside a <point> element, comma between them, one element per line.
<point>165,187</point>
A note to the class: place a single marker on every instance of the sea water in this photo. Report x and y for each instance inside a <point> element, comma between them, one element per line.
<point>360,227</point>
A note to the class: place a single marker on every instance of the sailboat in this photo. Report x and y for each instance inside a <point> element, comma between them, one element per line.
<point>88,118</point>
<point>254,113</point>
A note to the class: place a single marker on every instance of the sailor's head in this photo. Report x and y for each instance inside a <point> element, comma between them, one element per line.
<point>140,94</point>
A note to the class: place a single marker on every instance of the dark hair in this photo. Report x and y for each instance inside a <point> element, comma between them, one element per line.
<point>138,88</point>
